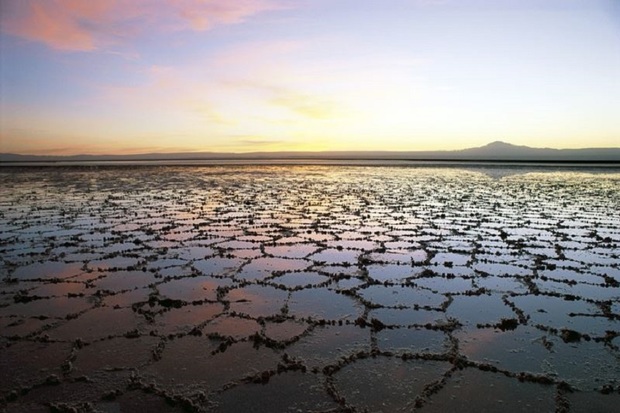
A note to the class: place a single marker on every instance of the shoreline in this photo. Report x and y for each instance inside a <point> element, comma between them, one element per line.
<point>561,164</point>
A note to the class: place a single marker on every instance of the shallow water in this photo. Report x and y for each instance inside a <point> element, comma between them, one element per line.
<point>311,288</point>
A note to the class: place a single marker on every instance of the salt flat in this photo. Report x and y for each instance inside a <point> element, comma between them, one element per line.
<point>308,288</point>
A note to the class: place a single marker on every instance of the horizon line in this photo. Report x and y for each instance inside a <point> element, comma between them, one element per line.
<point>503,144</point>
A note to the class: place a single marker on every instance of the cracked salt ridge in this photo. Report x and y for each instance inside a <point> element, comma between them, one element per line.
<point>386,384</point>
<point>147,286</point>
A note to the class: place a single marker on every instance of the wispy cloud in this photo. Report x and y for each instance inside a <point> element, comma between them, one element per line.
<point>168,93</point>
<point>65,25</point>
<point>79,25</point>
<point>251,141</point>
<point>304,104</point>
<point>203,15</point>
<point>270,53</point>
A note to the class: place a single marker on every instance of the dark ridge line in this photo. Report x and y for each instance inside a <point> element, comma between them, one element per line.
<point>277,160</point>
<point>494,151</point>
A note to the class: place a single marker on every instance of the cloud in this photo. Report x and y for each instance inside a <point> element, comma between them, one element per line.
<point>250,141</point>
<point>59,24</point>
<point>308,105</point>
<point>203,15</point>
<point>163,87</point>
<point>305,105</point>
<point>87,25</point>
<point>167,92</point>
<point>263,143</point>
<point>265,54</point>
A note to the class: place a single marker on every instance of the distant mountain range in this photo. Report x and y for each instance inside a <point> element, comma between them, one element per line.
<point>495,151</point>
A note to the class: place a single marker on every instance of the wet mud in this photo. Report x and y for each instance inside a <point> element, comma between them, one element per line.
<point>308,288</point>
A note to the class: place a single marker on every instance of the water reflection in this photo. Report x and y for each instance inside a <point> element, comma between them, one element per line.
<point>208,285</point>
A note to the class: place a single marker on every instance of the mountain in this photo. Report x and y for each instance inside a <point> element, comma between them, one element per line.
<point>502,151</point>
<point>495,151</point>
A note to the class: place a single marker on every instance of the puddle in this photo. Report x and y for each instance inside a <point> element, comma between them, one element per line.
<point>401,296</point>
<point>26,362</point>
<point>443,285</point>
<point>137,400</point>
<point>325,345</point>
<point>193,288</point>
<point>451,259</point>
<point>485,391</point>
<point>235,327</point>
<point>123,280</point>
<point>585,365</point>
<point>556,312</point>
<point>261,268</point>
<point>599,292</point>
<point>335,256</point>
<point>218,266</point>
<point>323,304</point>
<point>18,326</point>
<point>291,251</point>
<point>400,256</point>
<point>96,324</point>
<point>525,349</point>
<point>391,272</point>
<point>186,318</point>
<point>76,394</point>
<point>115,263</point>
<point>285,392</point>
<point>482,309</point>
<point>502,269</point>
<point>406,316</point>
<point>185,361</point>
<point>412,340</point>
<point>48,270</point>
<point>57,289</point>
<point>300,280</point>
<point>55,307</point>
<point>257,301</point>
<point>127,299</point>
<point>593,402</point>
<point>360,244</point>
<point>286,330</point>
<point>501,284</point>
<point>116,353</point>
<point>383,384</point>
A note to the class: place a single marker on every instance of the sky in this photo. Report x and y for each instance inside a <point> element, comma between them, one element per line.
<point>142,76</point>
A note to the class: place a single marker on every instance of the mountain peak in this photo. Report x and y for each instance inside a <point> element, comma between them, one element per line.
<point>494,151</point>
<point>499,144</point>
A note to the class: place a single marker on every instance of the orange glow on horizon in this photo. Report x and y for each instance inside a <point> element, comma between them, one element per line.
<point>161,76</point>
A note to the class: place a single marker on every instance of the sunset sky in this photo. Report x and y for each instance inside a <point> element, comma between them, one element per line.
<point>137,76</point>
